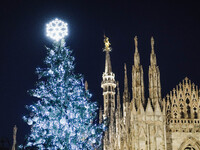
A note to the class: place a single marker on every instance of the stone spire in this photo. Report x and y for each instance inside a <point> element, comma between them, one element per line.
<point>118,117</point>
<point>108,84</point>
<point>125,93</point>
<point>118,101</point>
<point>125,83</point>
<point>14,137</point>
<point>153,55</point>
<point>154,77</point>
<point>137,78</point>
<point>100,115</point>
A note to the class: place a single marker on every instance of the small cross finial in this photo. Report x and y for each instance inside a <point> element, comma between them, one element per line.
<point>136,43</point>
<point>107,43</point>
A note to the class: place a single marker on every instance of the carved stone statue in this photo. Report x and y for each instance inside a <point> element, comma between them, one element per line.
<point>107,43</point>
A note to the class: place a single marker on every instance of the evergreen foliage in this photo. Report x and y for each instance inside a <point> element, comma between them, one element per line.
<point>64,116</point>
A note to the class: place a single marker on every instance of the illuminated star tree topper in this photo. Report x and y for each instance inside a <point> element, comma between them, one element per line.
<point>57,29</point>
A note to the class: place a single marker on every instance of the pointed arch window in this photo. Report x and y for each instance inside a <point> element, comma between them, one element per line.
<point>182,115</point>
<point>188,112</point>
<point>195,115</point>
<point>109,88</point>
<point>105,88</point>
<point>187,101</point>
<point>109,96</point>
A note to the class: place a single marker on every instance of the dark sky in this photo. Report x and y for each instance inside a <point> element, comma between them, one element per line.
<point>175,26</point>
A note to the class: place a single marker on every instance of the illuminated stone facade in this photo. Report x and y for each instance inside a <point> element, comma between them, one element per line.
<point>156,123</point>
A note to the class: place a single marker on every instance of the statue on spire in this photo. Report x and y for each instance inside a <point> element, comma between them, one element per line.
<point>107,44</point>
<point>136,43</point>
<point>152,44</point>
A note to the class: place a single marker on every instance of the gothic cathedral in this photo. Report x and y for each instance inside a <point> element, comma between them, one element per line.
<point>156,123</point>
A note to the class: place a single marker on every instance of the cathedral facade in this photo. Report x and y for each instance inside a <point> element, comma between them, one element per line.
<point>154,123</point>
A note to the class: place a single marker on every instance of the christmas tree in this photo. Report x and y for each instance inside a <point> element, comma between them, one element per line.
<point>64,116</point>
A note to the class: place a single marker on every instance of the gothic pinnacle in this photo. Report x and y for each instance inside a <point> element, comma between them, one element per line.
<point>118,93</point>
<point>136,54</point>
<point>100,114</point>
<point>153,55</point>
<point>125,79</point>
<point>118,99</point>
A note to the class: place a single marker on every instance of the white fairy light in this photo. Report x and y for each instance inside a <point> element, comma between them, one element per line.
<point>50,71</point>
<point>35,119</point>
<point>52,52</point>
<point>30,122</point>
<point>63,121</point>
<point>93,131</point>
<point>57,29</point>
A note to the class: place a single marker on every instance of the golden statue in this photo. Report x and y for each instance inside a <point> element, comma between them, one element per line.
<point>107,43</point>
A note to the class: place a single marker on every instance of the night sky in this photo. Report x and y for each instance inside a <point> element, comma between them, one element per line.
<point>175,26</point>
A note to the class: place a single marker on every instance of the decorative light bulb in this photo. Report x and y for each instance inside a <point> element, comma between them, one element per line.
<point>50,71</point>
<point>93,141</point>
<point>52,52</point>
<point>56,29</point>
<point>35,119</point>
<point>93,131</point>
<point>30,122</point>
<point>63,121</point>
